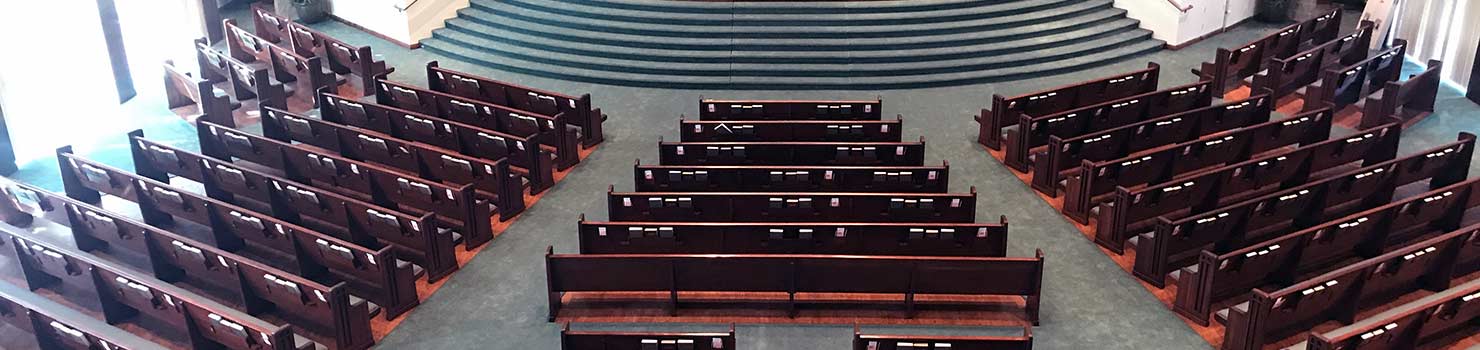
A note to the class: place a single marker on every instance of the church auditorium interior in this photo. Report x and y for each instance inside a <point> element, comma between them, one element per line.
<point>727,174</point>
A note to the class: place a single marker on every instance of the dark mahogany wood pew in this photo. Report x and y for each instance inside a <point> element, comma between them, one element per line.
<point>1174,242</point>
<point>791,206</point>
<point>800,178</point>
<point>1340,294</point>
<point>1411,100</point>
<point>600,340</point>
<point>457,209</point>
<point>712,109</point>
<point>301,251</point>
<point>1409,326</point>
<point>1086,188</point>
<point>792,153</point>
<point>892,238</point>
<point>1063,154</point>
<point>1220,276</point>
<point>1006,111</point>
<point>551,130</point>
<point>182,89</point>
<point>1131,212</point>
<point>492,179</point>
<point>791,130</point>
<point>577,109</point>
<point>1034,130</point>
<point>1230,67</point>
<point>243,81</point>
<point>1285,76</point>
<point>791,274</point>
<point>123,296</point>
<point>53,326</point>
<point>864,341</point>
<point>342,57</point>
<point>1345,86</point>
<point>252,286</point>
<point>269,26</point>
<point>306,74</point>
<point>365,224</point>
<point>534,162</point>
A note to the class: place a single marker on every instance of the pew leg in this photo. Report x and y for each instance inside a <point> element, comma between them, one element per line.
<point>791,305</point>
<point>909,305</point>
<point>554,307</point>
<point>673,302</point>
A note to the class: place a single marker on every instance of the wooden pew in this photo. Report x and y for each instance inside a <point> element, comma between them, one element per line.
<point>577,109</point>
<point>53,326</point>
<point>182,89</point>
<point>800,178</point>
<point>378,274</point>
<point>1219,276</point>
<point>1063,154</point>
<point>244,283</point>
<point>122,296</point>
<point>1133,211</point>
<point>1230,67</point>
<point>306,74</point>
<point>342,57</point>
<point>492,179</point>
<point>881,238</point>
<point>551,130</point>
<point>792,130</point>
<point>596,340</point>
<point>1411,100</point>
<point>791,274</point>
<point>1235,226</point>
<point>1005,111</point>
<point>1085,188</point>
<point>244,82</point>
<point>534,162</point>
<point>1285,76</point>
<point>456,208</point>
<point>269,26</point>
<point>1345,86</point>
<point>792,153</point>
<point>1034,131</point>
<point>863,341</point>
<point>791,206</point>
<point>358,221</point>
<point>1340,294</point>
<point>1412,325</point>
<point>712,109</point>
<point>245,46</point>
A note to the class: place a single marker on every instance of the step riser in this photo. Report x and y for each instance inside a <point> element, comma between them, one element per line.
<point>763,8</point>
<point>678,20</point>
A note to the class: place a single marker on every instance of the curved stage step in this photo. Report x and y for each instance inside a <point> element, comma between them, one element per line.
<point>791,45</point>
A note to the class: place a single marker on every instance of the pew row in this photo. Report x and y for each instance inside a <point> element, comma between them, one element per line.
<point>1284,76</point>
<point>364,223</point>
<point>1339,295</point>
<point>791,206</point>
<point>322,312</point>
<point>800,178</point>
<point>1410,101</point>
<point>1004,111</point>
<point>553,130</point>
<point>793,274</point>
<point>1035,131</point>
<point>1408,326</point>
<point>604,340</point>
<point>1133,211</point>
<point>53,326</point>
<point>1230,68</point>
<point>792,153</point>
<point>884,238</point>
<point>1231,227</point>
<point>534,162</point>
<point>492,180</point>
<point>182,89</point>
<point>456,209</point>
<point>1063,154</point>
<point>791,130</point>
<point>306,74</point>
<point>866,341</point>
<point>713,109</point>
<point>1345,86</point>
<point>577,108</point>
<point>341,57</point>
<point>1369,233</point>
<point>243,81</point>
<point>1086,188</point>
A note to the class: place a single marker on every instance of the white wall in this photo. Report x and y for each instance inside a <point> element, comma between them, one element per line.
<point>386,17</point>
<point>1175,27</point>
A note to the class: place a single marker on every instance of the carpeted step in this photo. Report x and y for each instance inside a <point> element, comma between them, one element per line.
<point>784,7</point>
<point>986,11</point>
